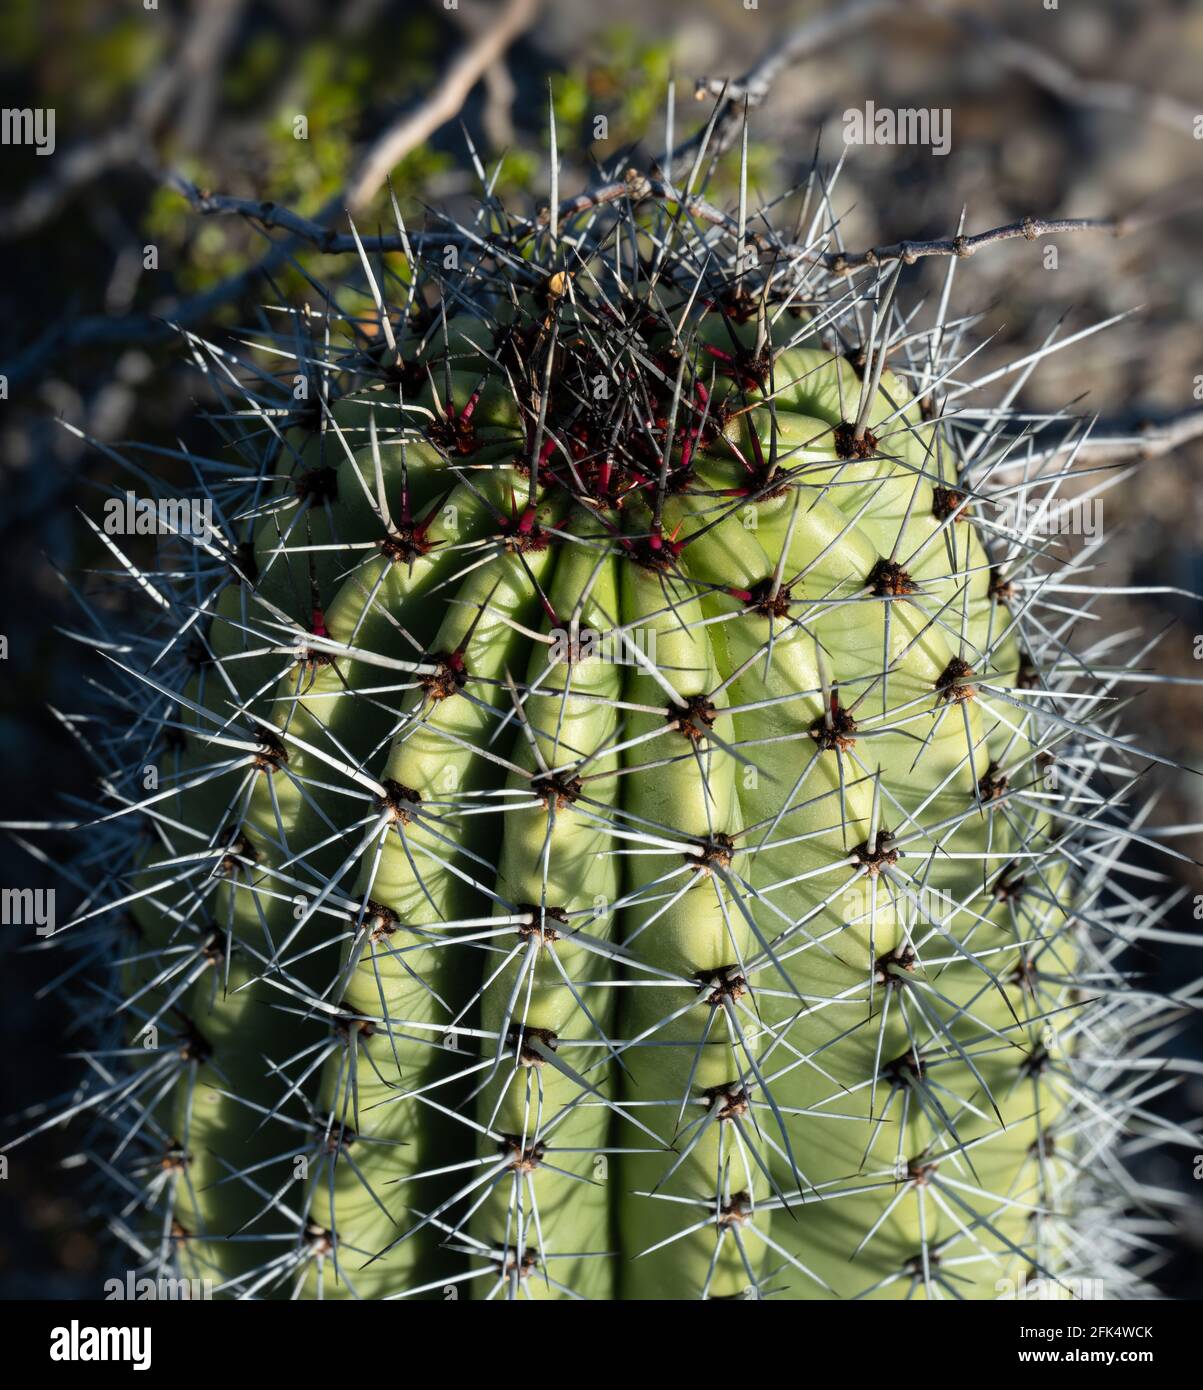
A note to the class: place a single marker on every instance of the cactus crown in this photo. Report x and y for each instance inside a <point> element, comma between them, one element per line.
<point>628,817</point>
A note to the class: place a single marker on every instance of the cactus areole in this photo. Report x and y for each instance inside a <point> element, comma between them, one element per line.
<point>602,842</point>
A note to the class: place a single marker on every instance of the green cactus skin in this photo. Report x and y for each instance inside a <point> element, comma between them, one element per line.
<point>743,959</point>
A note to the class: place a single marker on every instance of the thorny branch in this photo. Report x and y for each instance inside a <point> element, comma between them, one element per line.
<point>636,187</point>
<point>1148,441</point>
<point>843,262</point>
<point>1030,228</point>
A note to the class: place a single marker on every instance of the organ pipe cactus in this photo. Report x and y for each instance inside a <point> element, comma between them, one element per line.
<point>628,820</point>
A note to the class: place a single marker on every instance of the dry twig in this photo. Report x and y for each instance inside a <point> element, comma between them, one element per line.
<point>442,105</point>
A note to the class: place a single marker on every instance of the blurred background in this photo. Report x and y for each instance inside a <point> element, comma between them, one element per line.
<point>1057,109</point>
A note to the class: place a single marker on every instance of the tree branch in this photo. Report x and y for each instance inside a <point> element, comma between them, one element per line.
<point>1030,228</point>
<point>636,186</point>
<point>1152,439</point>
<point>1045,70</point>
<point>445,102</point>
<point>102,329</point>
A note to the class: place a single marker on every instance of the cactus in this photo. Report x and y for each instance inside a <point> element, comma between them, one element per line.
<point>626,815</point>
